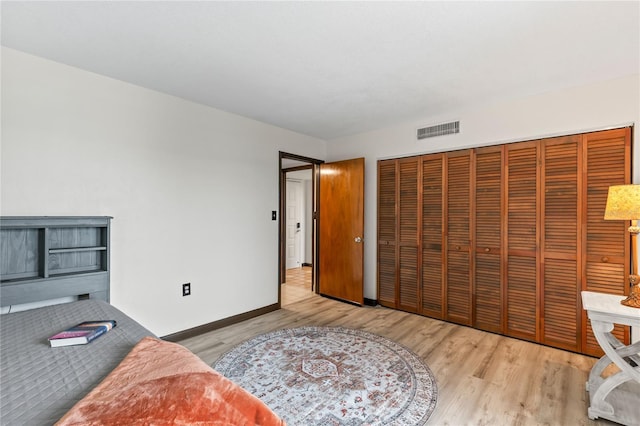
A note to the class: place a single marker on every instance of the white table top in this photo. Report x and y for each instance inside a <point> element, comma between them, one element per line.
<point>602,305</point>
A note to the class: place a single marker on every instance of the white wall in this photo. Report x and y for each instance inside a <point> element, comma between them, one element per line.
<point>191,188</point>
<point>575,110</point>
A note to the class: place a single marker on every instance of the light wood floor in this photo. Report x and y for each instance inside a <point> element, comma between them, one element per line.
<point>483,378</point>
<point>299,277</point>
<point>297,286</point>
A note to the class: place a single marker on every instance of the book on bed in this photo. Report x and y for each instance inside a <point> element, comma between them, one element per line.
<point>82,333</point>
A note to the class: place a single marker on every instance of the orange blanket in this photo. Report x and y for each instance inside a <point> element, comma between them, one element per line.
<point>163,383</point>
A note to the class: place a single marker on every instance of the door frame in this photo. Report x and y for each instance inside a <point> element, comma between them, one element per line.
<point>314,165</point>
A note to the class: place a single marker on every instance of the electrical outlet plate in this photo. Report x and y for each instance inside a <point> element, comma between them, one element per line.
<point>186,289</point>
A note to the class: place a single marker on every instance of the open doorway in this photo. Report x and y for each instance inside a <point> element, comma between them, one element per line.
<point>297,274</point>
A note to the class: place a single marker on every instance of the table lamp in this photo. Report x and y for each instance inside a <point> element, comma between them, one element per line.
<point>623,203</point>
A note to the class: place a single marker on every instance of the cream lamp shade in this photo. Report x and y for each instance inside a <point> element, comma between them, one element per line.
<point>623,203</point>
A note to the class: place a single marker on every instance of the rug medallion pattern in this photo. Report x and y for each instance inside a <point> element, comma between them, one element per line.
<point>333,376</point>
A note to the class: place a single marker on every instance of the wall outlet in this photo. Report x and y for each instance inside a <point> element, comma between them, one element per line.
<point>186,289</point>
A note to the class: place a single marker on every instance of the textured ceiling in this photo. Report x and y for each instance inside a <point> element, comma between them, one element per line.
<point>330,69</point>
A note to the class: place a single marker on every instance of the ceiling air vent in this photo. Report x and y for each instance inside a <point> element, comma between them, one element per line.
<point>439,130</point>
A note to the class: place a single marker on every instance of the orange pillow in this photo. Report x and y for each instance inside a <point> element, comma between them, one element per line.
<point>163,383</point>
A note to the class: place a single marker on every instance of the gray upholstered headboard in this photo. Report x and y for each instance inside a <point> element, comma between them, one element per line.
<point>49,257</point>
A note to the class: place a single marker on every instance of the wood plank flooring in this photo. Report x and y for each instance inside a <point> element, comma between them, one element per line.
<point>483,378</point>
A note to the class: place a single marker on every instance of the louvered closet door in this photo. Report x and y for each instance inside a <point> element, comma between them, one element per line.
<point>458,283</point>
<point>432,235</point>
<point>522,216</point>
<point>607,162</point>
<point>408,233</point>
<point>488,239</point>
<point>560,242</point>
<point>387,273</point>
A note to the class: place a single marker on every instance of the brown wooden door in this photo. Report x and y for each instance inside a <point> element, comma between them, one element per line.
<point>387,218</point>
<point>488,270</point>
<point>606,242</point>
<point>408,206</point>
<point>341,230</point>
<point>561,205</point>
<point>432,236</point>
<point>458,253</point>
<point>521,293</point>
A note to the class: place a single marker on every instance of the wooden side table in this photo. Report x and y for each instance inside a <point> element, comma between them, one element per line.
<point>616,397</point>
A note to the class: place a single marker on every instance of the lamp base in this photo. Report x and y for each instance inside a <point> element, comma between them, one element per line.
<point>634,295</point>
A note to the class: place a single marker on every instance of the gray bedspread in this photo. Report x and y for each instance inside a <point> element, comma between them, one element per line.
<point>38,383</point>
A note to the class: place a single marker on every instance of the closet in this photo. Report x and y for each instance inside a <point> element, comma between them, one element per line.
<point>504,238</point>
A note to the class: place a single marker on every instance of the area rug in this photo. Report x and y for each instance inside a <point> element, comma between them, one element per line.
<point>333,376</point>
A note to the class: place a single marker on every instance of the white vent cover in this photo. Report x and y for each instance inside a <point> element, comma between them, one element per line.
<point>439,130</point>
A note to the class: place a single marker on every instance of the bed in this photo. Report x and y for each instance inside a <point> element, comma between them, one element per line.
<point>39,383</point>
<point>126,376</point>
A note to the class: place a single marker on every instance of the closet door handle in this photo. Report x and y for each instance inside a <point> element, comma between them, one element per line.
<point>487,250</point>
<point>605,259</point>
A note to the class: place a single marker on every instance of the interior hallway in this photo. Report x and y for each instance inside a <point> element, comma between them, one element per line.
<point>297,285</point>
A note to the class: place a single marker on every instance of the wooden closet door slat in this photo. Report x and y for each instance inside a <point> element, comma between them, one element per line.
<point>408,233</point>
<point>458,284</point>
<point>560,225</point>
<point>387,269</point>
<point>560,306</point>
<point>488,239</point>
<point>606,266</point>
<point>522,218</point>
<point>432,235</point>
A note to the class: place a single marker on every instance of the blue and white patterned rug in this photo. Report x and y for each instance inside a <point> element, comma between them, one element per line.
<point>333,376</point>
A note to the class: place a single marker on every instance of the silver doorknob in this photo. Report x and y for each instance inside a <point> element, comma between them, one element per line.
<point>358,240</point>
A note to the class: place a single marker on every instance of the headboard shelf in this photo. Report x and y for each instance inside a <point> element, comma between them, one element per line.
<point>48,257</point>
<point>12,281</point>
<point>76,249</point>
